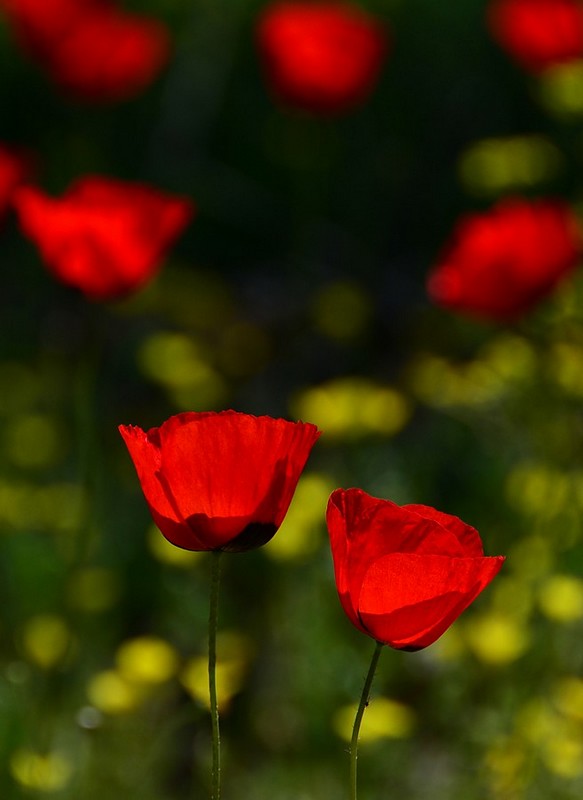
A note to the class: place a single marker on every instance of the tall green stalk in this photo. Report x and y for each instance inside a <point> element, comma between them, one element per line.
<point>364,700</point>
<point>213,619</point>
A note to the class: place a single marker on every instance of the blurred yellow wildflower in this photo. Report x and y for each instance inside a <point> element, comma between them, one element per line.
<point>537,488</point>
<point>353,407</point>
<point>384,718</point>
<point>561,88</point>
<point>233,655</point>
<point>507,163</point>
<point>178,363</point>
<point>47,772</point>
<point>496,638</point>
<point>563,755</point>
<point>299,534</point>
<point>112,693</point>
<point>147,660</point>
<point>46,639</point>
<point>561,598</point>
<point>568,697</point>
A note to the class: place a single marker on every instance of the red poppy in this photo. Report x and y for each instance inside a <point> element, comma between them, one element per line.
<point>109,55</point>
<point>15,167</point>
<point>219,481</point>
<point>323,57</point>
<point>538,33</point>
<point>39,24</point>
<point>91,48</point>
<point>404,574</point>
<point>104,236</point>
<point>501,263</point>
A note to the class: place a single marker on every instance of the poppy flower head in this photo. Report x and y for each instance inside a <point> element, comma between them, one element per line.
<point>538,34</point>
<point>103,236</point>
<point>91,48</point>
<point>322,57</point>
<point>109,55</point>
<point>499,264</point>
<point>404,573</point>
<point>219,481</point>
<point>39,24</point>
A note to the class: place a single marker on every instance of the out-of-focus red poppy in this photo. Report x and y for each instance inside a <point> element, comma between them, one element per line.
<point>220,481</point>
<point>104,236</point>
<point>91,48</point>
<point>404,574</point>
<point>109,55</point>
<point>15,168</point>
<point>500,263</point>
<point>538,34</point>
<point>39,24</point>
<point>323,57</point>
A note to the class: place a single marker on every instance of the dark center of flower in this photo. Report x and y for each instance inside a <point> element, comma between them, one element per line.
<point>253,535</point>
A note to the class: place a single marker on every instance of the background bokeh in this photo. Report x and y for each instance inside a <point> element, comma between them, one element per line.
<point>297,291</point>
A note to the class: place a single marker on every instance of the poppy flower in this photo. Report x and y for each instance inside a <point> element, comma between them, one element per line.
<point>322,57</point>
<point>500,263</point>
<point>91,48</point>
<point>15,167</point>
<point>219,481</point>
<point>538,34</point>
<point>404,574</point>
<point>108,55</point>
<point>39,24</point>
<point>104,236</point>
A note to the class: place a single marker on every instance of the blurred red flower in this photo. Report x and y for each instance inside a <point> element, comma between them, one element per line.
<point>323,57</point>
<point>219,481</point>
<point>91,48</point>
<point>501,263</point>
<point>538,33</point>
<point>15,168</point>
<point>104,236</point>
<point>39,24</point>
<point>404,574</point>
<point>109,55</point>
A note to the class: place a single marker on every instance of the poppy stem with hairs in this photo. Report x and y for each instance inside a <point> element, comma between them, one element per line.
<point>213,618</point>
<point>364,700</point>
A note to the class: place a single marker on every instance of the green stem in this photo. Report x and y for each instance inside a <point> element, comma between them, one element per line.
<point>213,618</point>
<point>364,700</point>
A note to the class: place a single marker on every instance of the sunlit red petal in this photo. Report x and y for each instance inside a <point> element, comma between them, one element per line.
<point>323,57</point>
<point>538,33</point>
<point>109,55</point>
<point>104,237</point>
<point>408,600</point>
<point>144,450</point>
<point>502,262</point>
<point>250,468</point>
<point>468,537</point>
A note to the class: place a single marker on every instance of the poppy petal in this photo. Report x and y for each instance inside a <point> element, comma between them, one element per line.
<point>468,537</point>
<point>408,600</point>
<point>145,453</point>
